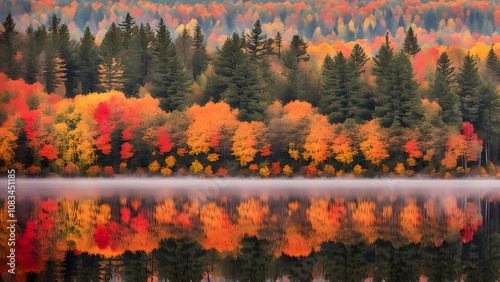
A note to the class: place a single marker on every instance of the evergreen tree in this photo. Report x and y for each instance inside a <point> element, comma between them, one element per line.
<point>180,260</point>
<point>294,80</point>
<point>54,69</point>
<point>382,71</point>
<point>488,125</point>
<point>245,92</point>
<point>67,52</point>
<point>30,60</point>
<point>492,63</point>
<point>358,58</point>
<point>170,80</point>
<point>131,59</point>
<point>9,48</point>
<point>299,48</point>
<point>183,44</point>
<point>442,91</point>
<point>200,56</point>
<point>225,64</point>
<point>254,263</point>
<point>88,63</point>
<point>145,39</point>
<point>410,44</point>
<point>255,42</point>
<point>341,91</point>
<point>398,104</point>
<point>112,53</point>
<point>468,89</point>
<point>278,40</point>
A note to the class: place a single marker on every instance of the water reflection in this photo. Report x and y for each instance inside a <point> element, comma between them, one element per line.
<point>188,237</point>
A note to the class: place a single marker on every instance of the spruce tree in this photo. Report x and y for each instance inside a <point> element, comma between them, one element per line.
<point>382,71</point>
<point>9,48</point>
<point>443,92</point>
<point>358,58</point>
<point>67,52</point>
<point>88,63</point>
<point>225,64</point>
<point>278,40</point>
<point>30,52</point>
<point>342,93</point>
<point>294,80</point>
<point>183,44</point>
<point>398,105</point>
<point>145,39</point>
<point>488,125</point>
<point>171,84</point>
<point>245,92</point>
<point>200,56</point>
<point>54,69</point>
<point>255,42</point>
<point>299,48</point>
<point>112,55</point>
<point>468,89</point>
<point>492,63</point>
<point>410,44</point>
<point>131,60</point>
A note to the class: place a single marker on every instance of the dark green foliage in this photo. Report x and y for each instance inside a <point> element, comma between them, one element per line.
<point>442,91</point>
<point>342,93</point>
<point>278,40</point>
<point>36,39</point>
<point>225,64</point>
<point>180,260</point>
<point>410,44</point>
<point>171,83</point>
<point>397,102</point>
<point>299,269</point>
<point>88,62</point>
<point>345,262</point>
<point>112,56</point>
<point>492,63</point>
<point>394,264</point>
<point>295,83</point>
<point>255,42</point>
<point>134,266</point>
<point>145,38</point>
<point>183,44</point>
<point>9,46</point>
<point>299,48</point>
<point>443,263</point>
<point>245,92</point>
<point>481,257</point>
<point>89,269</point>
<point>131,56</point>
<point>358,58</point>
<point>468,89</point>
<point>488,126</point>
<point>53,68</point>
<point>200,56</point>
<point>67,53</point>
<point>254,263</point>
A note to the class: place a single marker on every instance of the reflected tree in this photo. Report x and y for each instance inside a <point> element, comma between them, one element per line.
<point>89,269</point>
<point>345,262</point>
<point>443,263</point>
<point>180,260</point>
<point>135,266</point>
<point>254,263</point>
<point>299,269</point>
<point>395,264</point>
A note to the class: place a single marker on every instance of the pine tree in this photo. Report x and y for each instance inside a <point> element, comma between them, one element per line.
<point>30,61</point>
<point>278,40</point>
<point>488,125</point>
<point>225,64</point>
<point>183,44</point>
<point>382,71</point>
<point>299,48</point>
<point>342,91</point>
<point>112,55</point>
<point>410,44</point>
<point>255,42</point>
<point>88,63</point>
<point>171,84</point>
<point>294,87</point>
<point>67,52</point>
<point>145,39</point>
<point>245,92</point>
<point>358,58</point>
<point>54,69</point>
<point>131,58</point>
<point>9,48</point>
<point>492,63</point>
<point>443,92</point>
<point>468,89</point>
<point>399,104</point>
<point>200,56</point>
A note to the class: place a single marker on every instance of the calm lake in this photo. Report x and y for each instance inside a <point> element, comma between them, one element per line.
<point>220,229</point>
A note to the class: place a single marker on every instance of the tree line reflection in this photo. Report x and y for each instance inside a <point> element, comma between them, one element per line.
<point>390,238</point>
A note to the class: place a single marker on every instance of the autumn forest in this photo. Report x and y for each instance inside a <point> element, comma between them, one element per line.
<point>277,89</point>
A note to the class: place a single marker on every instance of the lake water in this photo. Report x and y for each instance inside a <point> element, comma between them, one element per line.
<point>126,229</point>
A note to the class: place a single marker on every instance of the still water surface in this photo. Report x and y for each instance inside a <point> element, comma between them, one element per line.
<point>254,230</point>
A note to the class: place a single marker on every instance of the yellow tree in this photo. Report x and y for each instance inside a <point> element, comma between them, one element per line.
<point>373,143</point>
<point>220,232</point>
<point>344,149</point>
<point>251,216</point>
<point>319,140</point>
<point>209,126</point>
<point>248,139</point>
